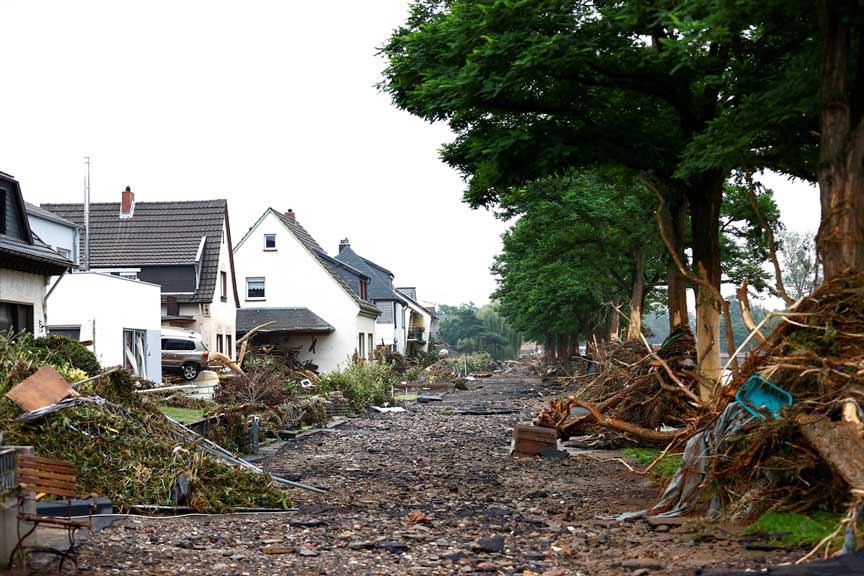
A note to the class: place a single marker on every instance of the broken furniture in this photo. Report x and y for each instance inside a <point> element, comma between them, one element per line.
<point>531,440</point>
<point>38,477</point>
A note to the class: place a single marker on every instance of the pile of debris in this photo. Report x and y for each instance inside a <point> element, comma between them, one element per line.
<point>441,372</point>
<point>127,450</point>
<point>806,450</point>
<point>633,390</point>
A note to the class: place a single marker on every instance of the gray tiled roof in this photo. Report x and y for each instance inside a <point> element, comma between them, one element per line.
<point>297,320</point>
<point>381,283</point>
<point>20,248</point>
<point>38,252</point>
<point>157,234</point>
<point>326,261</point>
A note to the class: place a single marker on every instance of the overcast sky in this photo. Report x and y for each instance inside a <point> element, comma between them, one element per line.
<point>262,103</point>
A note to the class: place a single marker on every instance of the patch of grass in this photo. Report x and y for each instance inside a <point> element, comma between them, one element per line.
<point>796,529</point>
<point>405,397</point>
<point>182,415</point>
<point>664,469</point>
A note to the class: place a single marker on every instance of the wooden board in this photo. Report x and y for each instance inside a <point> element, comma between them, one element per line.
<point>43,388</point>
<point>840,444</point>
<point>530,440</point>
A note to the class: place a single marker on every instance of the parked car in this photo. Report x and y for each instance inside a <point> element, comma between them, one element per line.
<point>184,351</point>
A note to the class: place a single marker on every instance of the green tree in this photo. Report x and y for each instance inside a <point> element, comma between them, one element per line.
<point>799,262</point>
<point>534,88</point>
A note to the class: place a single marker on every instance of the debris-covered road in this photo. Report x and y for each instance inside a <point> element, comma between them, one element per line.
<point>432,491</point>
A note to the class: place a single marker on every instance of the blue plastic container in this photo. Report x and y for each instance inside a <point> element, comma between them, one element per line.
<point>757,393</point>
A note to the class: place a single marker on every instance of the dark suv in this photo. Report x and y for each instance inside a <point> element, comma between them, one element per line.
<point>184,351</point>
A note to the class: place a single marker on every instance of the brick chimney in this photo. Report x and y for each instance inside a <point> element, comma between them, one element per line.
<point>289,214</point>
<point>127,203</point>
<point>344,243</point>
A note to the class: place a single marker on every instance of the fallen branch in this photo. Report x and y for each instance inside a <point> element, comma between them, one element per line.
<point>669,371</point>
<point>633,429</point>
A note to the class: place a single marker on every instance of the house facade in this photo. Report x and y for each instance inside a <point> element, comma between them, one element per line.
<point>286,278</point>
<point>26,265</point>
<point>421,323</point>
<point>183,247</point>
<point>59,234</point>
<point>390,328</point>
<point>117,333</point>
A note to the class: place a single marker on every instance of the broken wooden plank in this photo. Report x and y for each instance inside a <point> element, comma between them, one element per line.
<point>530,440</point>
<point>42,388</point>
<point>839,443</point>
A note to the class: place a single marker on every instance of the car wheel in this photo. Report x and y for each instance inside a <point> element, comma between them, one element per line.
<point>190,371</point>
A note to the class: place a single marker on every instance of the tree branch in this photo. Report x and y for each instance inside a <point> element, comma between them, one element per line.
<point>769,232</point>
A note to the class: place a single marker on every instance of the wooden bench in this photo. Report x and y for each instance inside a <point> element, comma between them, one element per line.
<point>39,477</point>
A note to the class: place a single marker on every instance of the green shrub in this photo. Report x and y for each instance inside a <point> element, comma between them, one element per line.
<point>362,384</point>
<point>72,352</point>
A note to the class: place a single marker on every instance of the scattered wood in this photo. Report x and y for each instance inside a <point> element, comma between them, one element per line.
<point>839,443</point>
<point>42,388</point>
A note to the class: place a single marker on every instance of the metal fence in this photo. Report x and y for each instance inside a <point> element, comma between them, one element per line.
<point>8,470</point>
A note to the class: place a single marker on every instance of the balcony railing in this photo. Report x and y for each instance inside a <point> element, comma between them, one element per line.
<point>416,333</point>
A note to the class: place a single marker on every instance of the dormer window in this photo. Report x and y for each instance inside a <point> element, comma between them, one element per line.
<point>363,289</point>
<point>269,242</point>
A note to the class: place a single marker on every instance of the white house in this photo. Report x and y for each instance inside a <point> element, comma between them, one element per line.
<point>60,234</point>
<point>390,328</point>
<point>287,278</point>
<point>26,264</point>
<point>421,322</point>
<point>184,247</point>
<point>117,318</point>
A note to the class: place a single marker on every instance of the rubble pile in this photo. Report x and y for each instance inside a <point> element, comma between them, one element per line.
<point>810,456</point>
<point>441,372</point>
<point>127,450</point>
<point>633,391</point>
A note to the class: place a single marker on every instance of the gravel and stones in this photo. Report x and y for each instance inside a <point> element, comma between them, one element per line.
<point>432,491</point>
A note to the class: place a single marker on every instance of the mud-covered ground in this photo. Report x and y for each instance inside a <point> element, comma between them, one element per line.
<point>433,491</point>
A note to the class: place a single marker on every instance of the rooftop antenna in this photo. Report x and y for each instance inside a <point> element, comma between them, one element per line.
<point>87,216</point>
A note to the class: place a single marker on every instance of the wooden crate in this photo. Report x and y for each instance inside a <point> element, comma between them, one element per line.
<point>529,440</point>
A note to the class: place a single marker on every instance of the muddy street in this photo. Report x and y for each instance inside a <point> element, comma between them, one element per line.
<point>432,491</point>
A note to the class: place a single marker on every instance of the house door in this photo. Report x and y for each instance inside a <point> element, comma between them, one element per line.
<point>135,351</point>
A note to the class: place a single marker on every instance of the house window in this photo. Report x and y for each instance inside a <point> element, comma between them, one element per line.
<point>371,346</point>
<point>255,288</point>
<point>229,348</point>
<point>219,347</point>
<point>269,242</point>
<point>128,275</point>
<point>65,253</point>
<point>363,289</point>
<point>361,349</point>
<point>73,332</point>
<point>223,282</point>
<point>16,317</point>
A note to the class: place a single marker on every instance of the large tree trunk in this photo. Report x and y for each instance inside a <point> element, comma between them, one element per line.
<point>707,195</point>
<point>840,241</point>
<point>637,293</point>
<point>675,281</point>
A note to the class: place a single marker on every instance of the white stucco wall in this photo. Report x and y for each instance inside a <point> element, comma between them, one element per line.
<point>55,234</point>
<point>294,277</point>
<point>103,306</point>
<point>24,288</point>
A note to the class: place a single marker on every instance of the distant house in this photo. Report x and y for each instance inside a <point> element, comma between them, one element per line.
<point>288,279</point>
<point>421,322</point>
<point>184,247</point>
<point>26,264</point>
<point>390,328</point>
<point>62,235</point>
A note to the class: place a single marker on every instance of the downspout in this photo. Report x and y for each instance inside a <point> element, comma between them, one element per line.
<point>45,300</point>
